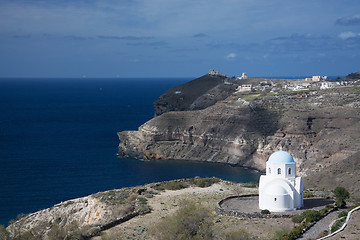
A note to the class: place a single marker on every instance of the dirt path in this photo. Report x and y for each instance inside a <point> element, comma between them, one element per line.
<point>320,226</point>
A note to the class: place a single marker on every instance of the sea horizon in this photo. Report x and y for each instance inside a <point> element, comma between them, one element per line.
<point>171,77</point>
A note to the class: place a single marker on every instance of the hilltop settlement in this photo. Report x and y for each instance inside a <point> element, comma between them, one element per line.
<point>274,85</point>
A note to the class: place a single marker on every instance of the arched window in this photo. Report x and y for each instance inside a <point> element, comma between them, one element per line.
<point>279,171</point>
<point>269,170</point>
<point>289,171</point>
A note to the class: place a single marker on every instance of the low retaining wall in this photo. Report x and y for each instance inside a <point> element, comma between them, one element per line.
<point>343,226</point>
<point>220,210</point>
<point>97,230</point>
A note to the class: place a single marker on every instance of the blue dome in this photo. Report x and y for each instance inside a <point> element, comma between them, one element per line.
<point>281,157</point>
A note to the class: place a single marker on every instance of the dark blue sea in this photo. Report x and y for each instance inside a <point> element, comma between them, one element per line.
<point>58,141</point>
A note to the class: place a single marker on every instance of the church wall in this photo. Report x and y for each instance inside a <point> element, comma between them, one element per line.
<point>273,170</point>
<point>292,172</point>
<point>276,194</point>
<point>299,200</point>
<point>280,190</point>
<point>277,203</point>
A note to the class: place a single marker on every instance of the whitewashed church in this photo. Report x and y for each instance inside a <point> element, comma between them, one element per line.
<point>280,190</point>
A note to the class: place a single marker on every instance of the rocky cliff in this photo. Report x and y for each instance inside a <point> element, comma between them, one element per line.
<point>319,128</point>
<point>82,218</point>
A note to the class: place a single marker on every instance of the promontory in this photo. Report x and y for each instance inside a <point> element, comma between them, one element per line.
<point>241,121</point>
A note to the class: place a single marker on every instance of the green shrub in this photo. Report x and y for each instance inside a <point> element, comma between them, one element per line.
<point>311,215</point>
<point>142,200</point>
<point>250,185</point>
<point>236,235</point>
<point>341,203</point>
<point>341,194</point>
<point>174,185</point>
<point>342,214</point>
<point>190,221</point>
<point>337,224</point>
<point>205,182</point>
<point>295,232</point>
<point>322,211</point>
<point>308,195</point>
<point>144,207</point>
<point>297,218</point>
<point>265,211</point>
<point>114,197</point>
<point>328,207</point>
<point>158,187</point>
<point>280,234</point>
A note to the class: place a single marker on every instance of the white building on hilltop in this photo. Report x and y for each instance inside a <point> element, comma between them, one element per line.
<point>243,76</point>
<point>280,190</point>
<point>317,78</point>
<point>212,72</point>
<point>244,88</point>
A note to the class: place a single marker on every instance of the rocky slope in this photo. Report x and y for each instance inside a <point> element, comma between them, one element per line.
<point>82,218</point>
<point>320,128</point>
<point>352,76</point>
<point>197,94</point>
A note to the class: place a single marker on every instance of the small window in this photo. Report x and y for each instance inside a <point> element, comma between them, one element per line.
<point>289,171</point>
<point>269,170</point>
<point>279,171</point>
<point>275,199</point>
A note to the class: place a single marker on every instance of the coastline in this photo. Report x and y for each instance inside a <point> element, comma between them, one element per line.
<point>60,143</point>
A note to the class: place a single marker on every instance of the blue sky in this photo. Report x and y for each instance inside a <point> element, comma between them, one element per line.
<point>178,38</point>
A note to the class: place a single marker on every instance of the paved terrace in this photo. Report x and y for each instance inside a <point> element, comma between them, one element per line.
<point>250,205</point>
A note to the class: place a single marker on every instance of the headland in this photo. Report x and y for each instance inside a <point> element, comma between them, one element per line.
<point>241,121</point>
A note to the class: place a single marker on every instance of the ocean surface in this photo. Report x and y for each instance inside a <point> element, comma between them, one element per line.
<point>58,141</point>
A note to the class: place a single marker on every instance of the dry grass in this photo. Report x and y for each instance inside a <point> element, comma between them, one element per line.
<point>167,203</point>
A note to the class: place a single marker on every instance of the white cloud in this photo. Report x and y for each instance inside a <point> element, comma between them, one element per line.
<point>347,35</point>
<point>231,56</point>
<point>350,20</point>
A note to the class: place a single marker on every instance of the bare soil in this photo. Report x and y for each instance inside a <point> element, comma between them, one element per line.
<point>167,203</point>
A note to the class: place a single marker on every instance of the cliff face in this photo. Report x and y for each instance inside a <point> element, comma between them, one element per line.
<point>319,128</point>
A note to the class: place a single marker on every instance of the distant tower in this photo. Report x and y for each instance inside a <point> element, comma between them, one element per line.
<point>212,72</point>
<point>243,76</point>
<point>280,190</point>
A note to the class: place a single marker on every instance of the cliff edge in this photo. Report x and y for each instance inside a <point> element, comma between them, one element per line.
<point>320,128</point>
